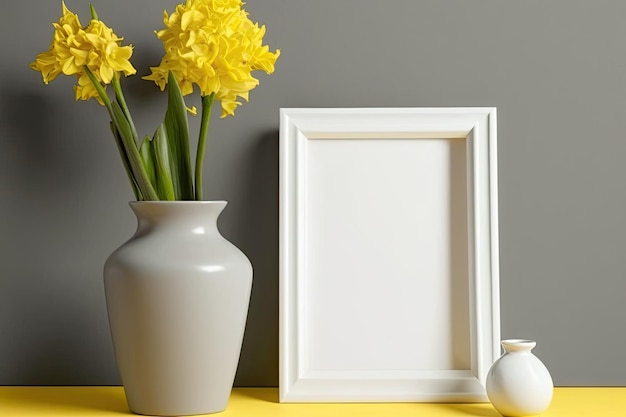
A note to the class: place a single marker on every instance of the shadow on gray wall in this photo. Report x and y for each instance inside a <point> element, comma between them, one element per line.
<point>258,239</point>
<point>49,334</point>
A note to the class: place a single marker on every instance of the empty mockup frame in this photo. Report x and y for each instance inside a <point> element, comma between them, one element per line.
<point>388,254</point>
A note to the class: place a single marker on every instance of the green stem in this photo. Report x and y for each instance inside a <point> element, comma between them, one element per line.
<point>134,158</point>
<point>207,106</point>
<point>128,149</point>
<point>119,95</point>
<point>118,140</point>
<point>126,163</point>
<point>101,92</point>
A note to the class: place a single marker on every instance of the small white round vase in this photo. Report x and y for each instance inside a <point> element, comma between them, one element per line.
<point>518,383</point>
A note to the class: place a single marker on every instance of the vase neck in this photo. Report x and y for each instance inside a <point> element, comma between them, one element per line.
<point>518,345</point>
<point>196,217</point>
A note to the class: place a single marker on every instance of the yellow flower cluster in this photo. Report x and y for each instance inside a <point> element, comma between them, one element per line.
<point>214,45</point>
<point>74,47</point>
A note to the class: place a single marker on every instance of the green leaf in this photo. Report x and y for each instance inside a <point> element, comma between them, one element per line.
<point>125,162</point>
<point>146,156</point>
<point>177,132</point>
<point>160,156</point>
<point>134,158</point>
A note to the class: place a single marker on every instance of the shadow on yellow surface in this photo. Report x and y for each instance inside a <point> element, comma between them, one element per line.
<point>71,399</point>
<point>481,409</point>
<point>269,395</point>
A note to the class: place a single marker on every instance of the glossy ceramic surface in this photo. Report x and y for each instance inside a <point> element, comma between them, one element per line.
<point>177,295</point>
<point>518,383</point>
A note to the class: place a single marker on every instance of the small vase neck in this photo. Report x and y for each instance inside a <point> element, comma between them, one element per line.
<point>196,217</point>
<point>518,345</point>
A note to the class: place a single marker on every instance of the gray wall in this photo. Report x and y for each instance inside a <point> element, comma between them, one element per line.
<point>556,71</point>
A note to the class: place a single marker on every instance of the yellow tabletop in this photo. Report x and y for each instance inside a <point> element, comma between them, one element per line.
<point>263,402</point>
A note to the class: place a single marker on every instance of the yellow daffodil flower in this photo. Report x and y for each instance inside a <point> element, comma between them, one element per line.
<point>211,45</point>
<point>75,47</point>
<point>84,89</point>
<point>214,45</point>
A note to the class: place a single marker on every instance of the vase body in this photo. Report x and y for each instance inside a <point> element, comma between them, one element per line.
<point>177,296</point>
<point>518,383</point>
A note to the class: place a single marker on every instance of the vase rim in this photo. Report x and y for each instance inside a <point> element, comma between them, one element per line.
<point>179,202</point>
<point>519,343</point>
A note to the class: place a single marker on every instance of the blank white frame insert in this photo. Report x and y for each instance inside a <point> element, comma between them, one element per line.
<point>388,254</point>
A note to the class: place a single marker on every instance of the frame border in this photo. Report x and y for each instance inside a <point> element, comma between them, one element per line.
<point>478,127</point>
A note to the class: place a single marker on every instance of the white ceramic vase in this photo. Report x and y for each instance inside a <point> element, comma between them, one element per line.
<point>177,296</point>
<point>518,383</point>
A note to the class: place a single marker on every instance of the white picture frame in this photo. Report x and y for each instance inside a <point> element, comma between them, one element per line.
<point>388,254</point>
